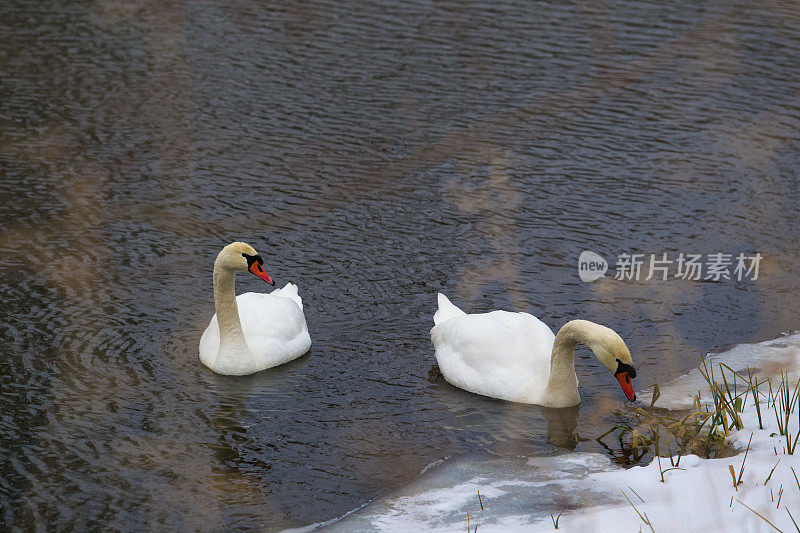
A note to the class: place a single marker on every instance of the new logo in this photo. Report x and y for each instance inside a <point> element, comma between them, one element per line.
<point>591,266</point>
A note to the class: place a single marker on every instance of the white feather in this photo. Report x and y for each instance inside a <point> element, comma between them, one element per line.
<point>274,328</point>
<point>499,354</point>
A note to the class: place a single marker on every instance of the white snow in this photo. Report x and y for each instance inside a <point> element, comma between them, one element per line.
<point>699,496</point>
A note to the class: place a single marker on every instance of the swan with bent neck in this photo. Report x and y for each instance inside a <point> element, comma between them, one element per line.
<point>252,331</point>
<point>516,357</point>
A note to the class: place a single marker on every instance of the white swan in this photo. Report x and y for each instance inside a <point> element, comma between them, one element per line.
<point>516,357</point>
<point>272,329</point>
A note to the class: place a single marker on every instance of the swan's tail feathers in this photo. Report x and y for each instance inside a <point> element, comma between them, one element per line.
<point>289,291</point>
<point>446,310</point>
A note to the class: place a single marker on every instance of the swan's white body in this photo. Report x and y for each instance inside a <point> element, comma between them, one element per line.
<point>253,331</point>
<point>274,328</point>
<point>515,356</point>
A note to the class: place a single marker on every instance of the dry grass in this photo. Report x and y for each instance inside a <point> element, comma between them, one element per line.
<point>643,434</point>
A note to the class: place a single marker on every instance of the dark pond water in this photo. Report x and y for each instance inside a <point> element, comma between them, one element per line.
<point>374,154</point>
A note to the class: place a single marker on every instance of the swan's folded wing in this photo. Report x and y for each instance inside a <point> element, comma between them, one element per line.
<point>274,326</point>
<point>289,291</point>
<point>446,310</point>
<point>498,354</point>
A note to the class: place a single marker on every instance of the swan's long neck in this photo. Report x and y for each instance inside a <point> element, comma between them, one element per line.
<point>232,344</point>
<point>562,386</point>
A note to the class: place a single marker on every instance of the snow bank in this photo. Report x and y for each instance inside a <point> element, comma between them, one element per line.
<point>701,495</point>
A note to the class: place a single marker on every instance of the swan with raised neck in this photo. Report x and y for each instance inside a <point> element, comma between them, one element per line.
<point>274,328</point>
<point>516,357</point>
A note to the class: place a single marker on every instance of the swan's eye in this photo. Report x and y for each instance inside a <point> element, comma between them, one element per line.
<point>623,367</point>
<point>253,259</point>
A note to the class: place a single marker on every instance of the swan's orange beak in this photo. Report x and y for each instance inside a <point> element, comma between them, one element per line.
<point>256,269</point>
<point>627,387</point>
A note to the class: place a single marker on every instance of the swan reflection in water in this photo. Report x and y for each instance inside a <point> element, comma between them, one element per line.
<point>562,426</point>
<point>509,428</point>
<point>237,474</point>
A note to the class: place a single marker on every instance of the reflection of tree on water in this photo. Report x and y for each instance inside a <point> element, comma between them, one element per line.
<point>491,202</point>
